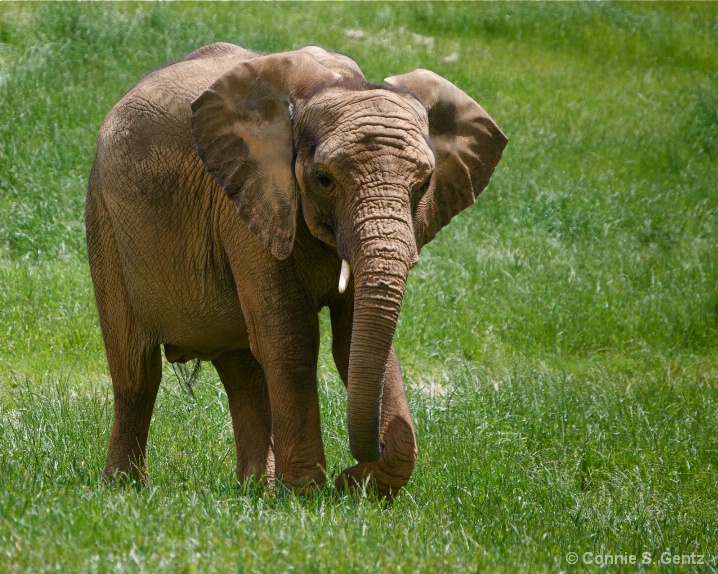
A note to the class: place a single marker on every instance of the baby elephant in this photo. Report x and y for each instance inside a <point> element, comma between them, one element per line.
<point>232,196</point>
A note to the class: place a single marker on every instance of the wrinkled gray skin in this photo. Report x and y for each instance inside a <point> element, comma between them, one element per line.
<point>225,193</point>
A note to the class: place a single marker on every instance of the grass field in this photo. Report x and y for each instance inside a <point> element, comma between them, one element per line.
<point>559,340</point>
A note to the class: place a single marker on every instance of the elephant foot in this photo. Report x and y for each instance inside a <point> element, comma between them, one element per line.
<point>133,476</point>
<point>386,476</point>
<point>303,483</point>
<point>379,477</point>
<point>255,467</point>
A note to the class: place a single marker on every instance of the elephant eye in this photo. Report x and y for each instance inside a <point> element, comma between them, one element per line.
<point>423,188</point>
<point>419,192</point>
<point>324,179</point>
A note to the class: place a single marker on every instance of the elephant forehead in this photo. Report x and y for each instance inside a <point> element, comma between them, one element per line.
<point>341,106</point>
<point>370,123</point>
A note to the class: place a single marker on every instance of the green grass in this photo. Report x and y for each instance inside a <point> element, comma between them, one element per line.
<point>559,340</point>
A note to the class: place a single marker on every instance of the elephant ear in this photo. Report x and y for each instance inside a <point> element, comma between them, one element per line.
<point>467,146</point>
<point>242,130</point>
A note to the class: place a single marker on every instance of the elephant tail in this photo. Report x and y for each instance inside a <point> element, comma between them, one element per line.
<point>188,375</point>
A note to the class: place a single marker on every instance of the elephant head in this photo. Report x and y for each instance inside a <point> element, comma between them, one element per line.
<point>376,170</point>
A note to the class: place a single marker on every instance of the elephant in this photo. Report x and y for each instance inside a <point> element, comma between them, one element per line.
<point>233,195</point>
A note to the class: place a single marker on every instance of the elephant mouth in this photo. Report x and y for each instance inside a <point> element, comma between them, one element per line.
<point>325,232</point>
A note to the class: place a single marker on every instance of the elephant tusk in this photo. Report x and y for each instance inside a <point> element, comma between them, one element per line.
<point>344,276</point>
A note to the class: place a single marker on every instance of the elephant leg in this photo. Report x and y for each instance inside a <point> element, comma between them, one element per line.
<point>283,327</point>
<point>243,379</point>
<point>392,471</point>
<point>134,359</point>
<point>135,379</point>
<point>288,352</point>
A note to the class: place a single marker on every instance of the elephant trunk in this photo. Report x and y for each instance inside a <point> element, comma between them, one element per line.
<point>380,265</point>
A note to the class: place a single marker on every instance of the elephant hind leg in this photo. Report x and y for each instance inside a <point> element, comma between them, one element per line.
<point>133,357</point>
<point>136,369</point>
<point>135,380</point>
<point>246,387</point>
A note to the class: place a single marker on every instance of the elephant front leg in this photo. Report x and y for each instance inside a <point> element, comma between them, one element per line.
<point>244,382</point>
<point>288,351</point>
<point>392,471</point>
